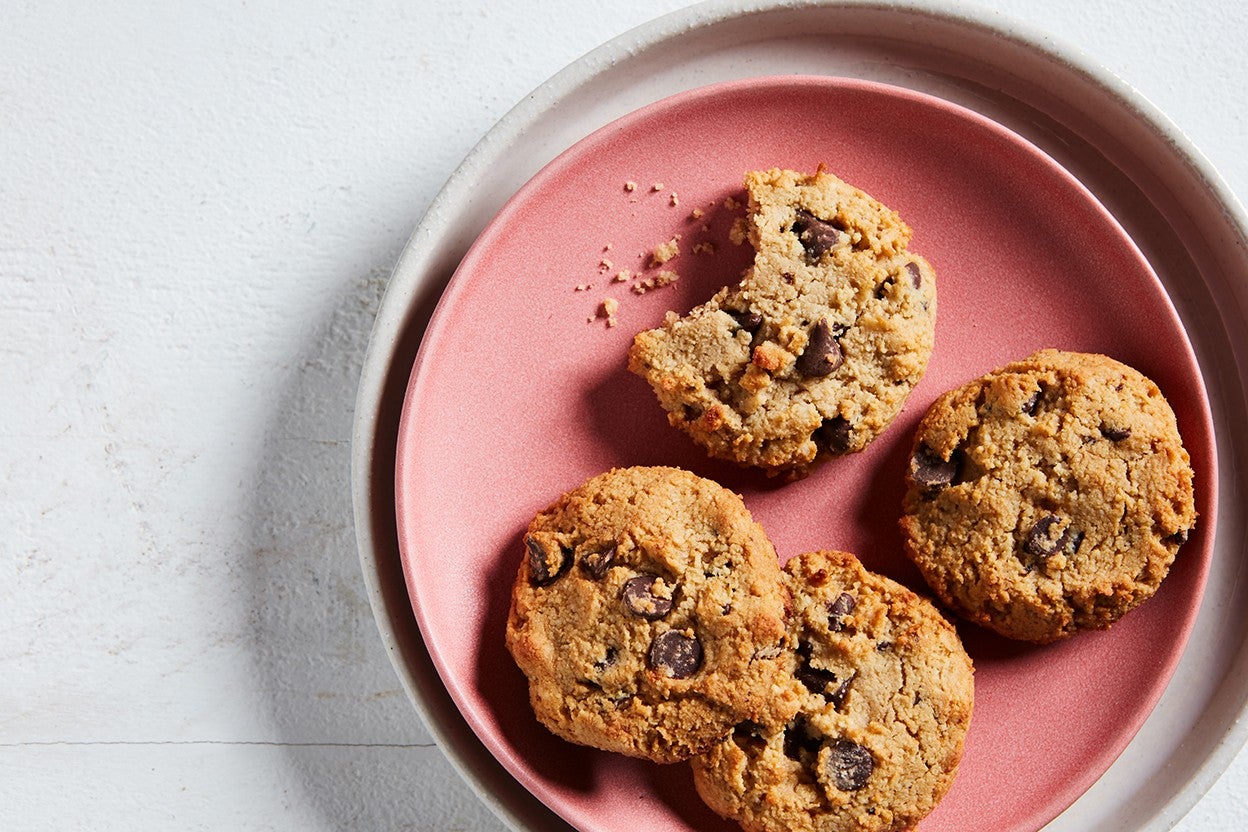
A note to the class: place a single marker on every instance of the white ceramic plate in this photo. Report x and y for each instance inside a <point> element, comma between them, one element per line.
<point>1134,161</point>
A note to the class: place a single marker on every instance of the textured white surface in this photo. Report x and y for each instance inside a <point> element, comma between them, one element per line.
<point>199,206</point>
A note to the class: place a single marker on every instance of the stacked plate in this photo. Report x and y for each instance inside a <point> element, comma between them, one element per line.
<point>1059,210</point>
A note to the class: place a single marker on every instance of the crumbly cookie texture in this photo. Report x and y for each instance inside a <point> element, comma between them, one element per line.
<point>886,697</point>
<point>1049,496</point>
<point>648,615</point>
<point>815,351</point>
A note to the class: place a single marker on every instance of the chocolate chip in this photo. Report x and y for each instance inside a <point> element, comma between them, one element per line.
<point>1179,537</point>
<point>833,434</point>
<point>1031,406</point>
<point>787,277</point>
<point>816,236</point>
<point>815,679</point>
<point>747,320</point>
<point>1040,540</point>
<point>822,355</point>
<point>640,598</point>
<point>1043,541</point>
<point>849,765</point>
<point>883,646</point>
<point>1114,434</point>
<point>916,275</point>
<point>930,471</point>
<point>596,562</point>
<point>546,565</point>
<point>608,659</point>
<point>675,653</point>
<point>838,609</point>
<point>837,697</point>
<point>800,737</point>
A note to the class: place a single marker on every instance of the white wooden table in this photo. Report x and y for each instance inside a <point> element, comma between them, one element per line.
<point>199,207</point>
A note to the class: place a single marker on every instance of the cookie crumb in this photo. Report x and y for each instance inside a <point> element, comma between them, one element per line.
<point>663,278</point>
<point>665,251</point>
<point>583,287</point>
<point>605,265</point>
<point>630,186</point>
<point>706,247</point>
<point>673,200</point>
<point>731,204</point>
<point>622,276</point>
<point>608,309</point>
<point>697,214</point>
<point>738,233</point>
<point>607,247</point>
<point>656,187</point>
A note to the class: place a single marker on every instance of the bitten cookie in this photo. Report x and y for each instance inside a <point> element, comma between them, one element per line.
<point>648,615</point>
<point>815,351</point>
<point>1049,496</point>
<point>886,698</point>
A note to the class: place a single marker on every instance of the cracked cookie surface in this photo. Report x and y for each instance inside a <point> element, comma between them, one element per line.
<point>1049,496</point>
<point>886,697</point>
<point>815,351</point>
<point>648,615</point>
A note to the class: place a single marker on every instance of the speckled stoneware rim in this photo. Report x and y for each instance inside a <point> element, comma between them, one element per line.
<point>978,58</point>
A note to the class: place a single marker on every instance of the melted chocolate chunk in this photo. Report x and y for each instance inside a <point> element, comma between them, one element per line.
<point>916,274</point>
<point>849,765</point>
<point>640,598</point>
<point>676,654</point>
<point>1114,434</point>
<point>546,565</point>
<point>800,738</point>
<point>815,679</point>
<point>1031,406</point>
<point>822,355</point>
<point>747,320</point>
<point>607,660</point>
<point>596,562</point>
<point>816,236</point>
<point>1180,537</point>
<point>833,434</point>
<point>838,609</point>
<point>930,471</point>
<point>837,697</point>
<point>1044,541</point>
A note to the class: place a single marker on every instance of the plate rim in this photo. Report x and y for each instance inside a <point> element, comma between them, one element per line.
<point>410,278</point>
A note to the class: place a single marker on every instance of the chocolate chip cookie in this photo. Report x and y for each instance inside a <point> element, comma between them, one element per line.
<point>814,353</point>
<point>648,615</point>
<point>886,698</point>
<point>1049,496</point>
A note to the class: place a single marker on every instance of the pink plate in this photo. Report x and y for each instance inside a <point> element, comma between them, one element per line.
<point>516,397</point>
